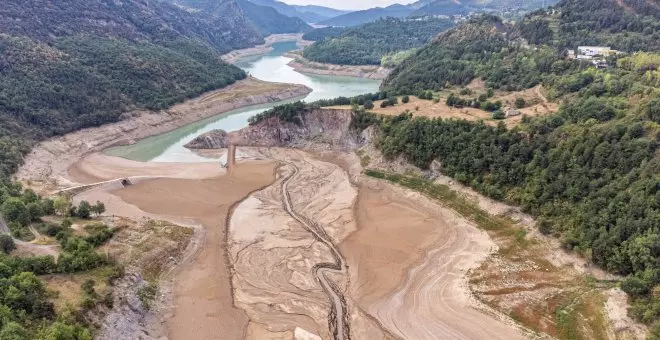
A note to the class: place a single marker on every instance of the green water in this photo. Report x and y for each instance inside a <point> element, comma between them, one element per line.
<point>168,147</point>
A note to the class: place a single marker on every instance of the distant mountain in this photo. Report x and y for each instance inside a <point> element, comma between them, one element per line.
<point>321,11</point>
<point>451,7</point>
<point>369,15</point>
<point>311,14</point>
<point>269,21</point>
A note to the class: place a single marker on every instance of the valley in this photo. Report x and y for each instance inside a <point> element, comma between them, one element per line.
<point>259,169</point>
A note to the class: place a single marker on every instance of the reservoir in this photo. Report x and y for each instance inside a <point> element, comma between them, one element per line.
<point>168,147</point>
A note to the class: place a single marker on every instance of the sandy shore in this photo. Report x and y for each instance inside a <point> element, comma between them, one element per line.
<point>303,65</point>
<point>50,160</point>
<point>235,55</point>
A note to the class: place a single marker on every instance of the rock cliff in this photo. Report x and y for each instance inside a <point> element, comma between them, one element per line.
<point>319,126</point>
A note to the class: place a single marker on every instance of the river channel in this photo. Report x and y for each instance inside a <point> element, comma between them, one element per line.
<point>168,147</point>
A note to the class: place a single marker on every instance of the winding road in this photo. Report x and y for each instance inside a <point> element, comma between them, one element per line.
<point>338,318</point>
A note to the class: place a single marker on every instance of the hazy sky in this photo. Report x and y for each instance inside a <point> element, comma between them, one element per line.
<point>348,4</point>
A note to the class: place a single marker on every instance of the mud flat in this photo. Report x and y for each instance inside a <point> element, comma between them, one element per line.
<point>303,65</point>
<point>50,160</point>
<point>275,257</point>
<point>407,259</point>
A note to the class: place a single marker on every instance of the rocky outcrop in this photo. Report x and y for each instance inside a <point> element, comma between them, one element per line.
<point>215,139</point>
<point>318,126</point>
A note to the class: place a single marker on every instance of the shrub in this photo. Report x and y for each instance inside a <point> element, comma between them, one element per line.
<point>498,114</point>
<point>35,211</point>
<point>84,210</point>
<point>405,99</point>
<point>14,210</point>
<point>634,286</point>
<point>520,103</point>
<point>7,243</point>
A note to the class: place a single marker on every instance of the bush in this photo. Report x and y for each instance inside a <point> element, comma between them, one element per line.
<point>653,110</point>
<point>84,210</point>
<point>35,211</point>
<point>7,243</point>
<point>634,286</point>
<point>368,105</point>
<point>14,210</point>
<point>405,99</point>
<point>520,103</point>
<point>498,114</point>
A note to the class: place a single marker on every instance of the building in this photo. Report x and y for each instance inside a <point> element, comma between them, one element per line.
<point>592,51</point>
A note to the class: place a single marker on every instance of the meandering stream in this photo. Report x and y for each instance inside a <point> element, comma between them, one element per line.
<point>168,147</point>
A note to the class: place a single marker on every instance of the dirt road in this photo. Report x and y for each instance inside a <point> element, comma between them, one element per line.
<point>338,316</point>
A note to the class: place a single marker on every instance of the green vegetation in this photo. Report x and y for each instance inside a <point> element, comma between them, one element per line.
<point>370,43</point>
<point>320,34</point>
<point>269,21</point>
<point>596,23</point>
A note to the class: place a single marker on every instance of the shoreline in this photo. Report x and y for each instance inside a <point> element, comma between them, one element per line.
<point>302,65</point>
<point>235,55</point>
<point>49,160</point>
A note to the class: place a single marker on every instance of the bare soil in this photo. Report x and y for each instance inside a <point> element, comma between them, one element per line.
<point>202,293</point>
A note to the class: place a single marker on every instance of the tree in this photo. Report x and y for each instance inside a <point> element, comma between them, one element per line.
<point>13,331</point>
<point>35,211</point>
<point>405,99</point>
<point>84,210</point>
<point>99,207</point>
<point>653,110</point>
<point>29,196</point>
<point>47,206</point>
<point>520,103</point>
<point>62,205</point>
<point>14,210</point>
<point>62,331</point>
<point>7,243</point>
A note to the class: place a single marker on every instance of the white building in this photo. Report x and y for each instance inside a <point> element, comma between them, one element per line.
<point>591,51</point>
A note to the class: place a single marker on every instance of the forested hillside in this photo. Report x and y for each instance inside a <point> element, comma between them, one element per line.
<point>369,43</point>
<point>269,21</point>
<point>450,7</point>
<point>369,15</point>
<point>66,65</point>
<point>323,33</point>
<point>590,172</point>
<point>627,25</point>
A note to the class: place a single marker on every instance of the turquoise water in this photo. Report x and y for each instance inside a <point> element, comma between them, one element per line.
<point>168,147</point>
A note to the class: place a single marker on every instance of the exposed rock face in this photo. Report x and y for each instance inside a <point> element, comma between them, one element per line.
<point>321,126</point>
<point>215,139</point>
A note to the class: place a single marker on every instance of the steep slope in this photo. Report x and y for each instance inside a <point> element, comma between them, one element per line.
<point>450,7</point>
<point>137,20</point>
<point>627,25</point>
<point>453,57</point>
<point>369,43</point>
<point>269,21</point>
<point>369,15</point>
<point>311,14</point>
<point>59,58</point>
<point>322,12</point>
